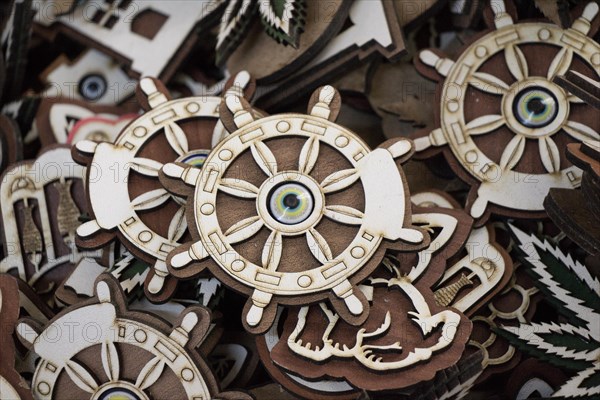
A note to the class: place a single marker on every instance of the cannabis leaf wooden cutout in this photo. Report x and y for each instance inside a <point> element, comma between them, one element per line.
<point>567,285</point>
<point>283,20</point>
<point>235,22</point>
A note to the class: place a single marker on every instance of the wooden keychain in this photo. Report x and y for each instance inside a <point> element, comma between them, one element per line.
<point>293,209</point>
<point>112,351</point>
<point>41,205</point>
<point>407,337</point>
<point>12,385</point>
<point>502,121</point>
<point>147,219</point>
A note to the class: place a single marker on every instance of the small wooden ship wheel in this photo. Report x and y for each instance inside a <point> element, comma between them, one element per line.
<point>526,111</point>
<point>301,162</point>
<point>124,190</point>
<point>102,351</point>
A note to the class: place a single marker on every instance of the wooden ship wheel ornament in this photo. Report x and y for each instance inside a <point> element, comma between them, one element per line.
<point>104,351</point>
<point>513,153</point>
<point>293,209</point>
<point>125,194</point>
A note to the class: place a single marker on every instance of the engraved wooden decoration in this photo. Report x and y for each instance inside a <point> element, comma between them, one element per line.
<point>506,296</point>
<point>512,306</point>
<point>577,212</point>
<point>453,383</point>
<point>41,205</point>
<point>282,20</point>
<point>30,305</point>
<point>79,284</point>
<point>145,217</point>
<point>470,282</point>
<point>12,385</point>
<point>255,52</point>
<point>93,77</point>
<point>150,38</point>
<point>502,121</point>
<point>318,389</point>
<point>373,29</point>
<point>294,208</point>
<point>128,354</point>
<point>407,337</point>
<point>68,121</point>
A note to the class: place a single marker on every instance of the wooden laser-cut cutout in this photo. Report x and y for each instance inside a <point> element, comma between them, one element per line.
<point>41,204</point>
<point>499,76</point>
<point>93,77</point>
<point>110,26</point>
<point>470,282</point>
<point>170,130</point>
<point>388,351</point>
<point>126,352</point>
<point>69,121</point>
<point>237,169</point>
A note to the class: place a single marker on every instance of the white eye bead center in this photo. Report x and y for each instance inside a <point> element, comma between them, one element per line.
<point>290,203</point>
<point>535,107</point>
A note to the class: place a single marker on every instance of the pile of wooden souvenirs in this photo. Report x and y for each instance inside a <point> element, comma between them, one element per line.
<point>271,199</point>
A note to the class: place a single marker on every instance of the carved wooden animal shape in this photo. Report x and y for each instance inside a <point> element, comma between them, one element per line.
<point>407,337</point>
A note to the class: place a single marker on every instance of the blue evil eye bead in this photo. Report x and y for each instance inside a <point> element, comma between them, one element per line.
<point>194,158</point>
<point>535,107</point>
<point>92,87</point>
<point>290,203</point>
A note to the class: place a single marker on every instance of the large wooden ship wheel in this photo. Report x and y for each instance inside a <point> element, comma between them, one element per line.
<point>301,162</point>
<point>524,109</point>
